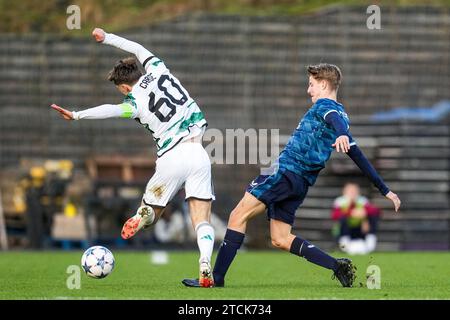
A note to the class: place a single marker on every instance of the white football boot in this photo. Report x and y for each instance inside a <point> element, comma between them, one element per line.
<point>205,278</point>
<point>141,220</point>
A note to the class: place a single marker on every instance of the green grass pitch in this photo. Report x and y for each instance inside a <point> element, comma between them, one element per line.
<point>254,275</point>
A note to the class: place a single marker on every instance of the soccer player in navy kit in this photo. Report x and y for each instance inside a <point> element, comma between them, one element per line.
<point>324,126</point>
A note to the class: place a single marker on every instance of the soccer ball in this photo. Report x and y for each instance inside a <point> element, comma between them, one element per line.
<point>97,262</point>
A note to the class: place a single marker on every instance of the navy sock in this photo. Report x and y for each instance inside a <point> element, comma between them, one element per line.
<point>228,249</point>
<point>313,254</point>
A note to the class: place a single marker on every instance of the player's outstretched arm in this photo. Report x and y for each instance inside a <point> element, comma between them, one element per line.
<point>135,48</point>
<point>366,167</point>
<point>342,144</point>
<point>104,111</point>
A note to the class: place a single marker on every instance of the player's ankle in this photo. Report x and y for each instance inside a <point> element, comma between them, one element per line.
<point>204,260</point>
<point>148,212</point>
<point>219,280</point>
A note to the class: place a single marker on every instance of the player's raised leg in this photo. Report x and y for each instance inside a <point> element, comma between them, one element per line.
<point>282,238</point>
<point>167,180</point>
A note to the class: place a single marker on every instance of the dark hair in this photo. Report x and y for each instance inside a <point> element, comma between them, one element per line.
<point>126,71</point>
<point>328,72</point>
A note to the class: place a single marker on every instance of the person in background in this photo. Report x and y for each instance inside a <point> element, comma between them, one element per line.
<point>357,221</point>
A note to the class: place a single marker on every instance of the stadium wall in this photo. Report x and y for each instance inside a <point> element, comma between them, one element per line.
<point>249,72</point>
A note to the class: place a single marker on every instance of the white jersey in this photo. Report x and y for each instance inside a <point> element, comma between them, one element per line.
<point>164,107</point>
<point>158,101</point>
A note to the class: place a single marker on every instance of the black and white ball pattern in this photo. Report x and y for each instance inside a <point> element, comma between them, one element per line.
<point>97,262</point>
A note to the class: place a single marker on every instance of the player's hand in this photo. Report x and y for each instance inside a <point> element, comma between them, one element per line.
<point>395,199</point>
<point>98,34</point>
<point>66,114</point>
<point>342,143</point>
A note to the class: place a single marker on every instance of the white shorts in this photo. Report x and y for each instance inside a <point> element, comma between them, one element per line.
<point>187,163</point>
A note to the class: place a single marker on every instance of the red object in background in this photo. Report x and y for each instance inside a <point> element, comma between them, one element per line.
<point>372,210</point>
<point>339,212</point>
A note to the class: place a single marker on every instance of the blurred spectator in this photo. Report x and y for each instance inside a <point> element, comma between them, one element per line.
<point>356,221</point>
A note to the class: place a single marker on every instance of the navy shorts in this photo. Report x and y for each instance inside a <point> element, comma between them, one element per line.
<point>282,192</point>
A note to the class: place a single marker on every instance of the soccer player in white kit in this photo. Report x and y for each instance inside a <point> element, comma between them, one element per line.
<point>161,105</point>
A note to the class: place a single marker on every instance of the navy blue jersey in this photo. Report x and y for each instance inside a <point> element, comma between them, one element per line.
<point>309,147</point>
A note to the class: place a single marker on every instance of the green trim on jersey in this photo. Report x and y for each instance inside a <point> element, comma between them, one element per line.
<point>130,99</point>
<point>156,62</point>
<point>171,127</point>
<point>193,119</point>
<point>127,110</point>
<point>190,104</point>
<point>165,144</point>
